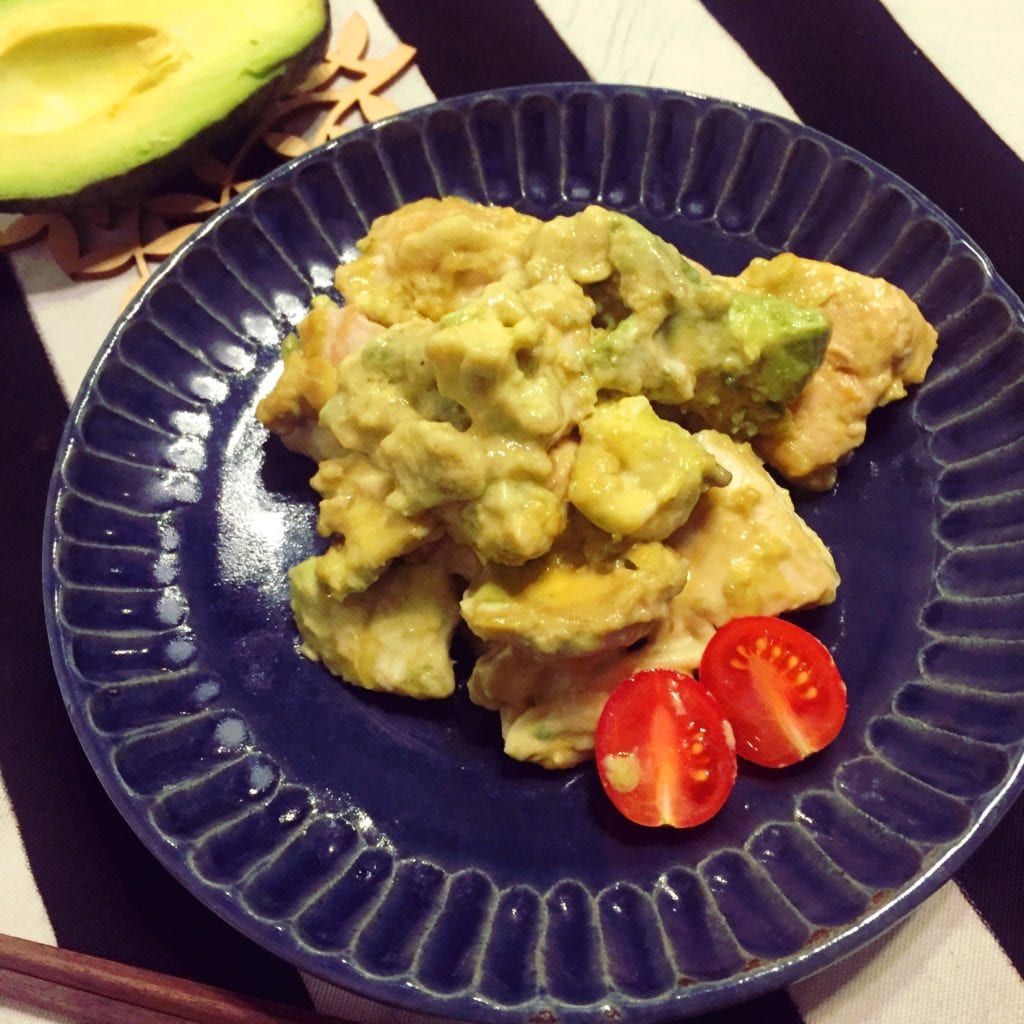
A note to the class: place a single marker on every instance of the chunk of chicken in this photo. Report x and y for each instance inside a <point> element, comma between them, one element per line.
<point>309,376</point>
<point>353,508</point>
<point>750,553</point>
<point>394,636</point>
<point>430,257</point>
<point>880,343</point>
<point>549,706</point>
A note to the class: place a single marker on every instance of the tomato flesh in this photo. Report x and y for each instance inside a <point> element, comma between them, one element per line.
<point>778,686</point>
<point>664,750</point>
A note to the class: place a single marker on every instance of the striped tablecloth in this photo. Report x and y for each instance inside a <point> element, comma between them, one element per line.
<point>930,88</point>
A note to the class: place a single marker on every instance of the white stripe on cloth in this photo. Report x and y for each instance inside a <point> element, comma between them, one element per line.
<point>960,42</point>
<point>334,1001</point>
<point>72,318</point>
<point>21,908</point>
<point>671,44</point>
<point>941,964</point>
<point>410,89</point>
<point>14,1013</point>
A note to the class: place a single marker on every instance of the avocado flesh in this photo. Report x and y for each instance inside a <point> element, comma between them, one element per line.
<point>104,99</point>
<point>722,358</point>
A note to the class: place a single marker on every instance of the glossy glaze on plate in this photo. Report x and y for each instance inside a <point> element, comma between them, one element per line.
<point>388,845</point>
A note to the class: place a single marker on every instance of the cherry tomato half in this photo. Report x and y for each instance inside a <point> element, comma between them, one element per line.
<point>664,750</point>
<point>778,687</point>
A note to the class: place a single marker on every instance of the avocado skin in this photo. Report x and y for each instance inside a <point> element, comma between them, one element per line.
<point>125,189</point>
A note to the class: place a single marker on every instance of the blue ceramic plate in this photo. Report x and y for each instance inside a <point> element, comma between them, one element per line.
<point>389,846</point>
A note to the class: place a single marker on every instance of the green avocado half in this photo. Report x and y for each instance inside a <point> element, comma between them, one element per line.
<point>100,100</point>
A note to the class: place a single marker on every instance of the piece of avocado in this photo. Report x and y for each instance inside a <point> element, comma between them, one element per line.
<point>637,475</point>
<point>724,358</point>
<point>586,594</point>
<point>100,101</point>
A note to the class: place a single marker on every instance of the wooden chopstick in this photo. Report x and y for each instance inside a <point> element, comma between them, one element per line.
<point>90,990</point>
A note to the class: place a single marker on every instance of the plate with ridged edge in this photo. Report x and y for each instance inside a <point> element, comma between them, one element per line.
<point>389,846</point>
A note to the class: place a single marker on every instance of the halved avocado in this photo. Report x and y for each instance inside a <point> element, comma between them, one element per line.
<point>102,99</point>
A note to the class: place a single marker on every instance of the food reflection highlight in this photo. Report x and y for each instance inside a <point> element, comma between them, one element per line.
<point>557,433</point>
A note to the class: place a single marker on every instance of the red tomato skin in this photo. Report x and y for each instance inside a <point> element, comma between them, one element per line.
<point>663,731</point>
<point>778,686</point>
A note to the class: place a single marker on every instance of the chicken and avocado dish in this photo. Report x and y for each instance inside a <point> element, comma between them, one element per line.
<point>557,433</point>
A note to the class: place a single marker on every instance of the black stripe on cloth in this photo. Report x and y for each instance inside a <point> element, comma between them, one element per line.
<point>467,47</point>
<point>104,893</point>
<point>849,70</point>
<point>852,72</point>
<point>992,880</point>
